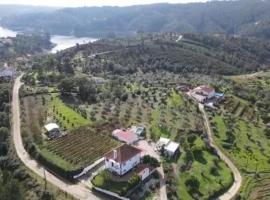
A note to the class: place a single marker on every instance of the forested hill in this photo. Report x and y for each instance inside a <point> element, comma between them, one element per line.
<point>246,17</point>
<point>204,54</point>
<point>8,10</point>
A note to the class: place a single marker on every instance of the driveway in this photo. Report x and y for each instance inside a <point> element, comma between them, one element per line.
<point>148,149</point>
<point>79,191</point>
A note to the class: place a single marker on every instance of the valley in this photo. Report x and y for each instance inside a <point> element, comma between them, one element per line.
<point>176,110</point>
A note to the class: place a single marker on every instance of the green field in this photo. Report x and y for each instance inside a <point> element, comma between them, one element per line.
<point>65,116</point>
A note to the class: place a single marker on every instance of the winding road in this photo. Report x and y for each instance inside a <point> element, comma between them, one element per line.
<point>236,174</point>
<point>78,191</point>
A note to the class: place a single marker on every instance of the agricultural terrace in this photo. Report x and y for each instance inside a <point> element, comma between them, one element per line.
<point>240,130</point>
<point>256,187</point>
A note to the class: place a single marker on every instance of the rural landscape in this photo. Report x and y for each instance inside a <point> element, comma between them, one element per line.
<point>94,107</point>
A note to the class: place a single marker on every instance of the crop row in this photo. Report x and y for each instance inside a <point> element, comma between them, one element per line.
<point>82,148</point>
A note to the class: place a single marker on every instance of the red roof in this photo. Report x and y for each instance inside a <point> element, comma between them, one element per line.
<point>123,153</point>
<point>127,136</point>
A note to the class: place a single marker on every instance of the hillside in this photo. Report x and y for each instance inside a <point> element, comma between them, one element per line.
<point>8,10</point>
<point>155,53</point>
<point>244,17</point>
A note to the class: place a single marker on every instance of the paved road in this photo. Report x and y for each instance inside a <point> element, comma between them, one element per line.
<point>77,190</point>
<point>237,176</point>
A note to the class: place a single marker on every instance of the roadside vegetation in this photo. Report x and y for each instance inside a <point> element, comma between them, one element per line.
<point>16,181</point>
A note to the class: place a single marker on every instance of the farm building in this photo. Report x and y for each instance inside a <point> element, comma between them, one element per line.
<point>127,136</point>
<point>171,148</point>
<point>143,171</point>
<point>138,130</point>
<point>52,130</point>
<point>122,159</point>
<point>203,93</point>
<point>162,142</point>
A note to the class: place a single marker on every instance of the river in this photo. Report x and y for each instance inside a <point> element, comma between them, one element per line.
<point>64,42</point>
<point>61,42</point>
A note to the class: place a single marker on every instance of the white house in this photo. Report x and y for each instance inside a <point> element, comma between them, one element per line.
<point>52,130</point>
<point>122,159</point>
<point>171,148</point>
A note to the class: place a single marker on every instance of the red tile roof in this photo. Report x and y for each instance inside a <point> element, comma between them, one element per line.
<point>127,136</point>
<point>124,153</point>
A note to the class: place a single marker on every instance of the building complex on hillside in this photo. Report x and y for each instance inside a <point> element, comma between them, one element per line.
<point>202,93</point>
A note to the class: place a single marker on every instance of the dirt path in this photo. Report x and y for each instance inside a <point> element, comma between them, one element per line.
<point>236,174</point>
<point>77,190</point>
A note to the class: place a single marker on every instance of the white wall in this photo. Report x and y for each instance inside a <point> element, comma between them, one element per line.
<point>145,174</point>
<point>129,164</point>
<point>113,166</point>
<point>124,167</point>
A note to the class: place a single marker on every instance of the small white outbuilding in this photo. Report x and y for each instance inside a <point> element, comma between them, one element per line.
<point>52,130</point>
<point>171,148</point>
<point>51,127</point>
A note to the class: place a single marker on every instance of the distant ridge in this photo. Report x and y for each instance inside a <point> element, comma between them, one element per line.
<point>243,17</point>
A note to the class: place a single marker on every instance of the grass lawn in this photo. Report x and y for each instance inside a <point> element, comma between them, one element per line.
<point>58,161</point>
<point>104,180</point>
<point>66,116</point>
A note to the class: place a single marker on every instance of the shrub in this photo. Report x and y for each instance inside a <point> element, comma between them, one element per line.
<point>151,161</point>
<point>133,181</point>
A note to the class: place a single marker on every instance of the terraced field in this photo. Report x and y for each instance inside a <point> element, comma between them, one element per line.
<point>239,108</point>
<point>256,188</point>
